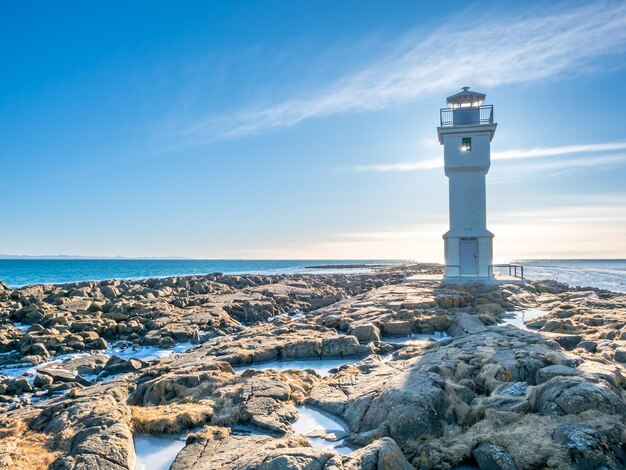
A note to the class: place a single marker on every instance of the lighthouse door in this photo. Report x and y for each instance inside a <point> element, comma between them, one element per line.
<point>468,256</point>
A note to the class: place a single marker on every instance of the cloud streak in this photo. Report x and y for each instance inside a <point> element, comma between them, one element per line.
<point>518,154</point>
<point>486,53</point>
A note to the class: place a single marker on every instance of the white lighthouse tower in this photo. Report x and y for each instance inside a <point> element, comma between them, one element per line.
<point>466,130</point>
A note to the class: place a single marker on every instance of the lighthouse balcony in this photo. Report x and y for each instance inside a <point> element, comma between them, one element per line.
<point>467,116</point>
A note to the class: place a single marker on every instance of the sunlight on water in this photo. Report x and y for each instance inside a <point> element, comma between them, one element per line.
<point>21,272</point>
<point>603,274</point>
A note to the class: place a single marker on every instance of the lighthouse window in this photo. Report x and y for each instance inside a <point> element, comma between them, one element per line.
<point>466,144</point>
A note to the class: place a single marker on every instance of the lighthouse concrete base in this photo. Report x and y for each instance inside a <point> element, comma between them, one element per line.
<point>463,280</point>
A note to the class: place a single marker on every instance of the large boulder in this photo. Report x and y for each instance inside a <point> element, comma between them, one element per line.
<point>556,370</point>
<point>117,365</point>
<point>366,333</point>
<point>489,456</point>
<point>383,454</point>
<point>409,404</point>
<point>340,346</point>
<point>573,395</point>
<point>397,328</point>
<point>215,449</point>
<point>590,449</point>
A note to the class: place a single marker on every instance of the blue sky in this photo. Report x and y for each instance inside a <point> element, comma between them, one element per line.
<point>305,129</point>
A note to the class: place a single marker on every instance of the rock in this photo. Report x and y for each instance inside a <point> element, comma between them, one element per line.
<point>61,375</point>
<point>42,381</point>
<point>590,449</point>
<point>117,365</point>
<point>383,454</point>
<point>620,355</point>
<point>409,405</point>
<point>109,292</point>
<point>590,346</point>
<point>366,333</point>
<point>547,373</point>
<point>573,395</point>
<point>214,449</point>
<point>397,328</point>
<point>166,342</point>
<point>340,346</point>
<point>15,386</point>
<point>492,457</point>
<point>490,308</point>
<point>567,341</point>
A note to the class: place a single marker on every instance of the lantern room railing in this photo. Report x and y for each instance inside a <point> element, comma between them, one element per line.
<point>470,116</point>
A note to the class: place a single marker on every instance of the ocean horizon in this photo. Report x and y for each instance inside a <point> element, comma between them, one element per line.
<point>607,274</point>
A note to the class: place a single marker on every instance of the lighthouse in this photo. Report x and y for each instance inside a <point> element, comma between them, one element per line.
<point>466,130</point>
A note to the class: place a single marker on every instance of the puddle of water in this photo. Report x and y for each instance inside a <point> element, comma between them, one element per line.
<point>145,353</point>
<point>519,317</point>
<point>245,430</point>
<point>22,326</point>
<point>311,420</point>
<point>415,338</point>
<point>29,370</point>
<point>157,452</point>
<point>321,366</point>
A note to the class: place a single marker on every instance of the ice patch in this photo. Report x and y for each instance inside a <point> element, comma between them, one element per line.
<point>145,353</point>
<point>29,371</point>
<point>312,421</point>
<point>321,366</point>
<point>415,338</point>
<point>22,326</point>
<point>157,452</point>
<point>519,318</point>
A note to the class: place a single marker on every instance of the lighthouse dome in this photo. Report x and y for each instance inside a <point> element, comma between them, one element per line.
<point>466,98</point>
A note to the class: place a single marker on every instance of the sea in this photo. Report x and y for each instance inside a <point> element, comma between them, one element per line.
<point>22,272</point>
<point>607,274</point>
<point>603,274</point>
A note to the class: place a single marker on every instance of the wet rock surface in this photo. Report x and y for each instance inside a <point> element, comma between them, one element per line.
<point>548,395</point>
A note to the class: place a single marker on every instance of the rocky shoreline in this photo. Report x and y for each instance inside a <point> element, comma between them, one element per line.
<point>426,376</point>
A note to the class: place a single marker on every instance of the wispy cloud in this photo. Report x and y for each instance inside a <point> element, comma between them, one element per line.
<point>558,151</point>
<point>591,159</point>
<point>402,166</point>
<point>487,52</point>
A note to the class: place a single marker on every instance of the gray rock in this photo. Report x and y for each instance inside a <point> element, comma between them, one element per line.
<point>213,450</point>
<point>340,346</point>
<point>63,376</point>
<point>573,395</point>
<point>366,333</point>
<point>383,454</point>
<point>117,365</point>
<point>620,355</point>
<point>492,457</point>
<point>397,328</point>
<point>547,373</point>
<point>590,346</point>
<point>567,341</point>
<point>590,449</point>
<point>42,381</point>
<point>410,405</point>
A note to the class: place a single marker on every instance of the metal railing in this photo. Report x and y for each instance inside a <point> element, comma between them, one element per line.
<point>512,269</point>
<point>470,116</point>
